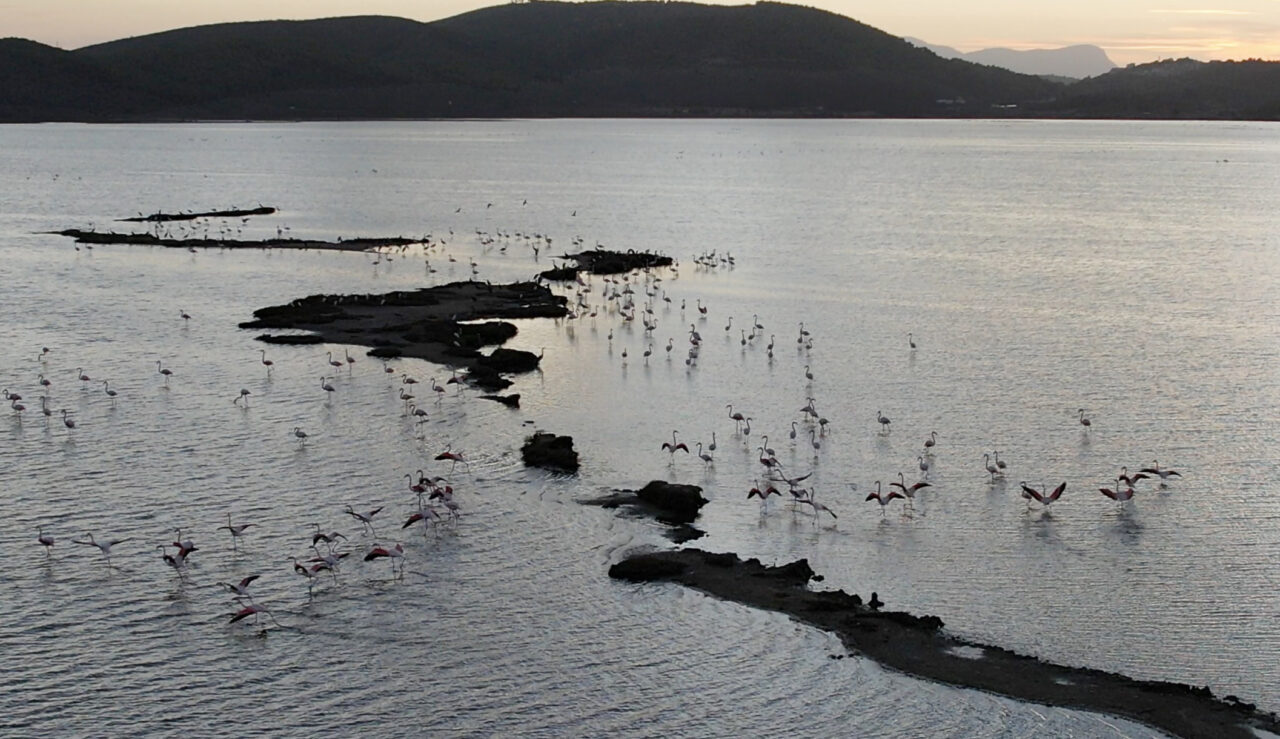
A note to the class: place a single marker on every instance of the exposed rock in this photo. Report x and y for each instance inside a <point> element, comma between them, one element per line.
<point>605,262</point>
<point>644,569</point>
<point>261,210</point>
<point>680,503</point>
<point>291,339</point>
<point>510,360</point>
<point>510,401</point>
<point>550,452</point>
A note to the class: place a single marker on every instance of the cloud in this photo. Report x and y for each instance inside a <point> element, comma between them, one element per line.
<point>1206,11</point>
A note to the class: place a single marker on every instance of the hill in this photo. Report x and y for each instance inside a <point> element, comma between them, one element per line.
<point>605,58</point>
<point>1074,62</point>
<point>1181,88</point>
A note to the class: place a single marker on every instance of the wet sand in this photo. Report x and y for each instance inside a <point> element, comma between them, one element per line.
<point>918,646</point>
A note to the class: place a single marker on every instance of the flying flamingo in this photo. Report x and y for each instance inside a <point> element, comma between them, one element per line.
<point>251,610</point>
<point>103,546</point>
<point>165,371</point>
<point>882,499</point>
<point>809,501</point>
<point>1164,475</point>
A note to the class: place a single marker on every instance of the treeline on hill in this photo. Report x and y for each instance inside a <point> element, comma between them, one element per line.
<point>605,58</point>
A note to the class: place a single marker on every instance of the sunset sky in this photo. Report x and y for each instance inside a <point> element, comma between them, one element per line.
<point>1129,30</point>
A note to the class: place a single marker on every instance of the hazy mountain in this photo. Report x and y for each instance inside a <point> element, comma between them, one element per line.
<point>545,58</point>
<point>1075,62</point>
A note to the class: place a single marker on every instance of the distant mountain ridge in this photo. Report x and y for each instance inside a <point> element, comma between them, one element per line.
<point>1076,62</point>
<point>561,59</point>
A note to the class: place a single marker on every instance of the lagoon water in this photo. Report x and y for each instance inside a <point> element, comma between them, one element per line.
<point>1131,269</point>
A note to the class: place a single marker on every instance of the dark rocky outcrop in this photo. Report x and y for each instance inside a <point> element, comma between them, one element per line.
<point>443,324</point>
<point>510,401</point>
<point>675,502</point>
<point>550,452</point>
<point>605,262</point>
<point>148,239</point>
<point>918,645</point>
<point>261,210</point>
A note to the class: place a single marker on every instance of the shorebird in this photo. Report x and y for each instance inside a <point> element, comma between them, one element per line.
<point>165,371</point>
<point>46,540</point>
<point>244,395</point>
<point>884,422</point>
<point>364,518</point>
<point>236,531</point>
<point>395,554</point>
<point>241,589</point>
<point>1084,421</point>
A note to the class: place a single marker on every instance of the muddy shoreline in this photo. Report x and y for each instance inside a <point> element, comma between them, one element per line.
<point>918,646</point>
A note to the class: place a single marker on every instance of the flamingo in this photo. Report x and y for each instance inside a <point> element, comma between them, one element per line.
<point>884,422</point>
<point>395,554</point>
<point>706,458</point>
<point>82,375</point>
<point>763,495</point>
<point>1084,421</point>
<point>417,412</point>
<point>882,499</point>
<point>330,538</point>
<point>350,359</point>
<point>1128,479</point>
<point>930,442</point>
<point>325,385</point>
<point>44,408</point>
<point>332,362</point>
<point>1031,493</point>
<point>165,371</point>
<point>813,440</point>
<point>728,325</point>
<point>300,434</point>
<point>999,465</point>
<point>106,388</point>
<point>674,445</point>
<point>44,382</point>
<point>746,426</point>
<point>807,374</point>
<point>924,465</point>
<point>767,460</point>
<point>1119,495</point>
<point>737,418</point>
<point>456,457</point>
<point>185,316</point>
<point>438,389</point>
<point>177,561</point>
<point>17,407</point>
<point>266,362</point>
<point>244,395</point>
<point>103,546</point>
<point>236,531</point>
<point>909,492</point>
<point>910,341</point>
<point>241,589</point>
<point>1164,475</point>
<point>364,518</point>
<point>46,540</point>
<point>809,501</point>
<point>251,610</point>
<point>406,397</point>
<point>803,334</point>
<point>67,421</point>
<point>426,515</point>
<point>992,469</point>
<point>712,447</point>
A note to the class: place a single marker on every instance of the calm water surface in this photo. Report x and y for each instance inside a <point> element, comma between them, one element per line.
<point>1129,269</point>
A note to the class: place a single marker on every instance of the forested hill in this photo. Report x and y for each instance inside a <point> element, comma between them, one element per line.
<point>529,59</point>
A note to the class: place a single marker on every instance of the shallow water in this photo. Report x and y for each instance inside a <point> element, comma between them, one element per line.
<point>1130,269</point>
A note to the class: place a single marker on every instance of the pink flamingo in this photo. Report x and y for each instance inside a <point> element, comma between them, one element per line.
<point>882,499</point>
